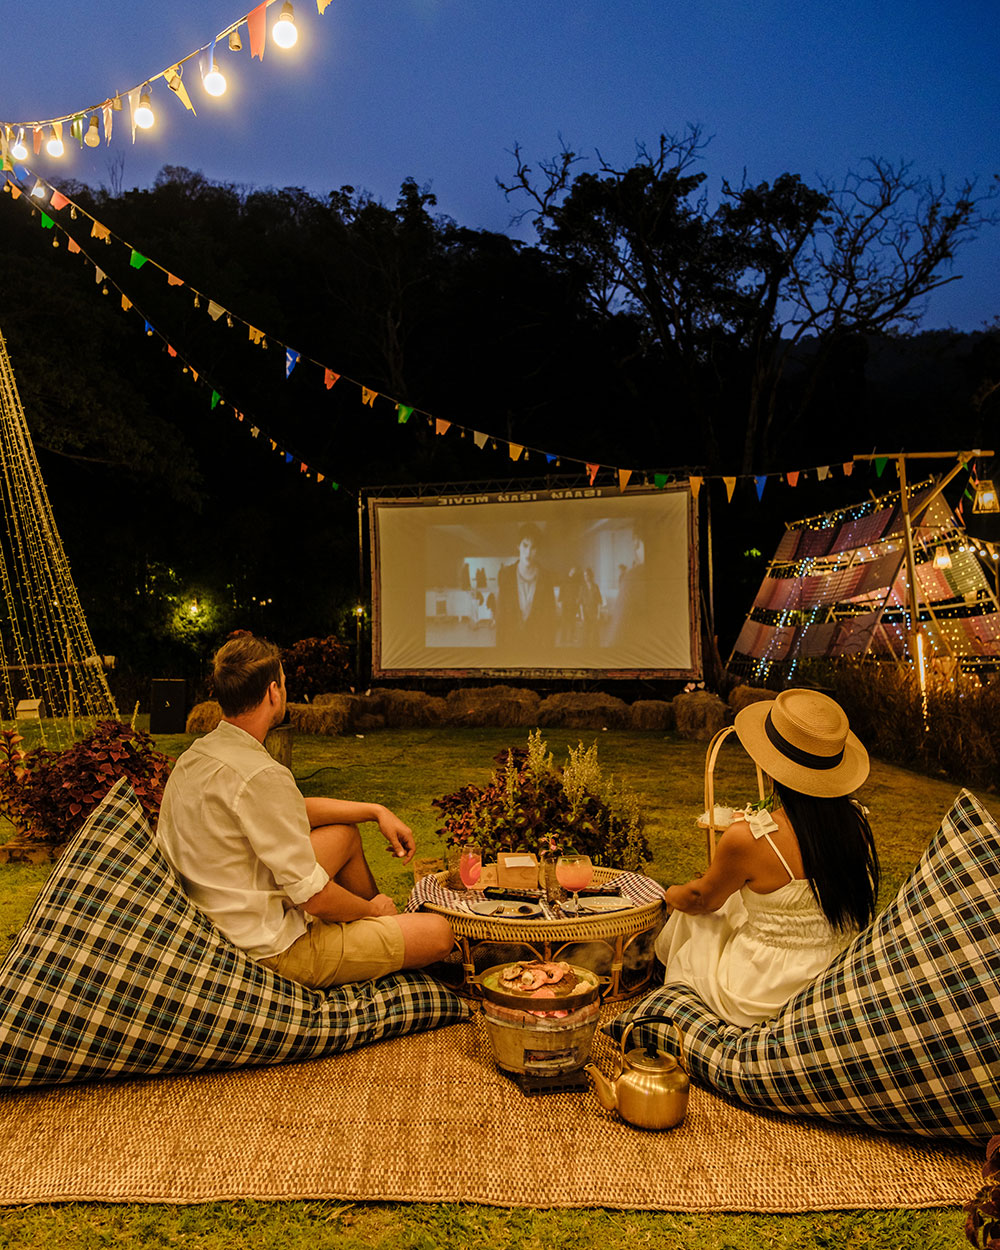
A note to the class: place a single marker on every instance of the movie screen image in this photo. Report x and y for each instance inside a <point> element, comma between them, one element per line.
<point>535,582</point>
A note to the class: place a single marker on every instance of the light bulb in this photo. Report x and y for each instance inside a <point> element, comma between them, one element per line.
<point>38,190</point>
<point>283,31</point>
<point>19,149</point>
<point>93,136</point>
<point>144,117</point>
<point>214,82</point>
<point>54,144</point>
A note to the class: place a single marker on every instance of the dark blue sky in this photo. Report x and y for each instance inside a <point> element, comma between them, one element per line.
<point>378,90</point>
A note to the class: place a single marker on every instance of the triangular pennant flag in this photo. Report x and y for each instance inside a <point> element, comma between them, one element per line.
<point>97,231</point>
<point>133,104</point>
<point>659,480</point>
<point>76,128</point>
<point>880,463</point>
<point>368,397</point>
<point>291,360</point>
<point>72,244</point>
<point>256,336</point>
<point>36,139</point>
<point>15,194</point>
<point>58,200</point>
<point>322,5</point>
<point>288,457</point>
<point>515,450</point>
<point>592,470</point>
<point>172,281</point>
<point>237,415</point>
<point>848,467</point>
<point>257,29</point>
<point>623,477</point>
<point>215,399</point>
<point>730,487</point>
<point>761,483</point>
<point>320,477</point>
<point>403,413</point>
<point>823,472</point>
<point>173,77</point>
<point>479,439</point>
<point>99,275</point>
<point>171,351</point>
<point>550,459</point>
<point>274,445</point>
<point>303,467</point>
<point>108,113</point>
<point>149,329</point>
<point>137,260</point>
<point>215,310</point>
<point>47,222</point>
<point>335,486</point>
<point>329,378</point>
<point>695,484</point>
<point>126,303</point>
<point>441,426</point>
<point>194,374</point>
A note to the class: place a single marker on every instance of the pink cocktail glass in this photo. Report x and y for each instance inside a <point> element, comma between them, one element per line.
<point>574,873</point>
<point>470,866</point>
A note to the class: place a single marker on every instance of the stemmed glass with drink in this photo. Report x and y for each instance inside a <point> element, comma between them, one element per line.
<point>574,873</point>
<point>470,866</point>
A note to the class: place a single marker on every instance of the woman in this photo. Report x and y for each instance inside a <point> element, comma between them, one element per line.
<point>786,890</point>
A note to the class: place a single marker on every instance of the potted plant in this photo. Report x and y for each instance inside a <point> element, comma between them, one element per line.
<point>531,804</point>
<point>47,795</point>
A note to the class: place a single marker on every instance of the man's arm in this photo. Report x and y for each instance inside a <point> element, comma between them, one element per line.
<point>334,903</point>
<point>344,812</point>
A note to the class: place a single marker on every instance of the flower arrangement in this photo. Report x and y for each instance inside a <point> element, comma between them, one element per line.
<point>531,804</point>
<point>47,795</point>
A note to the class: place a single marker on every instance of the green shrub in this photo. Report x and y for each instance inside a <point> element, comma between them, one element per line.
<point>530,804</point>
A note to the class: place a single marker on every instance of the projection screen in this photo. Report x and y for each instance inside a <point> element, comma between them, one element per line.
<point>577,582</point>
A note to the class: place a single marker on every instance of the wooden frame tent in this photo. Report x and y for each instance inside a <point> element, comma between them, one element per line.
<point>837,588</point>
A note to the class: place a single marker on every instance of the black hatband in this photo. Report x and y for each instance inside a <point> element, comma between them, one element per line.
<point>796,754</point>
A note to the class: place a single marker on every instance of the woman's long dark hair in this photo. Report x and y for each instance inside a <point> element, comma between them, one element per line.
<point>838,855</point>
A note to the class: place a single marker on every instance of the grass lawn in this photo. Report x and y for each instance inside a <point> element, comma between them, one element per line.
<point>405,769</point>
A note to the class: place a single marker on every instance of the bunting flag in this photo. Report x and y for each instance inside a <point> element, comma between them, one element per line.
<point>480,439</point>
<point>72,244</point>
<point>792,478</point>
<point>76,128</point>
<point>107,113</point>
<point>592,472</point>
<point>215,310</point>
<point>288,457</point>
<point>761,483</point>
<point>659,480</point>
<point>15,192</point>
<point>515,450</point>
<point>47,222</point>
<point>126,303</point>
<point>823,472</point>
<point>258,33</point>
<point>36,139</point>
<point>322,6</point>
<point>848,467</point>
<point>623,477</point>
<point>98,275</point>
<point>254,431</point>
<point>695,484</point>
<point>97,231</point>
<point>330,378</point>
<point>194,374</point>
<point>215,399</point>
<point>304,468</point>
<point>173,77</point>
<point>550,459</point>
<point>256,336</point>
<point>730,487</point>
<point>319,477</point>
<point>291,360</point>
<point>171,351</point>
<point>58,200</point>
<point>880,463</point>
<point>149,328</point>
<point>137,260</point>
<point>403,413</point>
<point>441,426</point>
<point>172,281</point>
<point>133,104</point>
<point>368,396</point>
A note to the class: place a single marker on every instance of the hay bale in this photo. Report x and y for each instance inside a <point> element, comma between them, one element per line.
<point>503,706</point>
<point>203,717</point>
<point>352,705</point>
<point>308,718</point>
<point>369,720</point>
<point>652,714</point>
<point>742,696</point>
<point>583,711</point>
<point>699,715</point>
<point>405,709</point>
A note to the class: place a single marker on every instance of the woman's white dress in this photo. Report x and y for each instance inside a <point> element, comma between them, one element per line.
<point>747,959</point>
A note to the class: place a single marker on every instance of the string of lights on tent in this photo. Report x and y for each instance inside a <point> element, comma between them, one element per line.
<point>48,664</point>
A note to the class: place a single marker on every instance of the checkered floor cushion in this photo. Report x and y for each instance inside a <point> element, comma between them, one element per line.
<point>116,972</point>
<point>902,1031</point>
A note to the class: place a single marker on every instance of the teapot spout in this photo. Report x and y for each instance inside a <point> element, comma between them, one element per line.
<point>603,1088</point>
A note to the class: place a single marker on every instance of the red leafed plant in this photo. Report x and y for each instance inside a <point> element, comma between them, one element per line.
<point>47,795</point>
<point>982,1224</point>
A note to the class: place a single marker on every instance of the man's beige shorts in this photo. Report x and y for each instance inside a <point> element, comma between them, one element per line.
<point>334,954</point>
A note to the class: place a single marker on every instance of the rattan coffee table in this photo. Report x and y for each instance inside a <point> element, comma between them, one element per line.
<point>617,945</point>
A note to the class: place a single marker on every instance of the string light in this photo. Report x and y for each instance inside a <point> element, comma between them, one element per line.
<point>19,149</point>
<point>144,116</point>
<point>93,136</point>
<point>214,82</point>
<point>54,144</point>
<point>283,31</point>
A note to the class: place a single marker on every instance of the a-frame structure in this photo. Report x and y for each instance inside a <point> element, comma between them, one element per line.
<point>46,652</point>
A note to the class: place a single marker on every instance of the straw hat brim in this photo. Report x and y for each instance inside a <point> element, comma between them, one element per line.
<point>827,783</point>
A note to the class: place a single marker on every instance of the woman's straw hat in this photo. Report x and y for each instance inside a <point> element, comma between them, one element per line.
<point>802,740</point>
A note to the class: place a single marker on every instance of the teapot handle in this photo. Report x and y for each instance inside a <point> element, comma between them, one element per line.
<point>661,1020</point>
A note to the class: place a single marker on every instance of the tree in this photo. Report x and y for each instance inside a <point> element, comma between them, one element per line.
<point>744,302</point>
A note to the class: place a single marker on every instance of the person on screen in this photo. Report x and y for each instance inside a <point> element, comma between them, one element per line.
<point>526,602</point>
<point>284,877</point>
<point>591,602</point>
<point>632,608</point>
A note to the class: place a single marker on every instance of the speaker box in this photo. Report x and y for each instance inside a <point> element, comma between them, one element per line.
<point>167,709</point>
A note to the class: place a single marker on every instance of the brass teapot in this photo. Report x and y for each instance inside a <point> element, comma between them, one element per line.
<point>651,1089</point>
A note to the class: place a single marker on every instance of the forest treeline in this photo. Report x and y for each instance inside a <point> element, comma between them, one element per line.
<point>646,329</point>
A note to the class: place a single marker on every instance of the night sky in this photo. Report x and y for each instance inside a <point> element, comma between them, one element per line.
<point>440,90</point>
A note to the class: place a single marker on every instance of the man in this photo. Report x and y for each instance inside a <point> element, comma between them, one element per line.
<point>526,608</point>
<point>284,877</point>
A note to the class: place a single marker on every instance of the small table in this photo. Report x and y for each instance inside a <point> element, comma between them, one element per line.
<point>617,944</point>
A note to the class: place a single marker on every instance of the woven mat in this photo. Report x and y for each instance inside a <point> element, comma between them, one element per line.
<point>431,1119</point>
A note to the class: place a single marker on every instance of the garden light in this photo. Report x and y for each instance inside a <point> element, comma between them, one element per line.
<point>283,31</point>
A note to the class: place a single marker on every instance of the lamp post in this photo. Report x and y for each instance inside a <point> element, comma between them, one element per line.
<point>359,616</point>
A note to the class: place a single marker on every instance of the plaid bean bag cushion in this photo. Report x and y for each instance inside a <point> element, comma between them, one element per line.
<point>115,972</point>
<point>902,1031</point>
